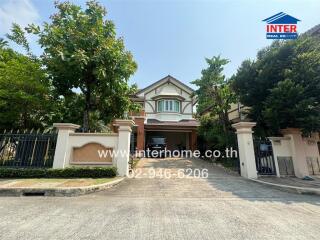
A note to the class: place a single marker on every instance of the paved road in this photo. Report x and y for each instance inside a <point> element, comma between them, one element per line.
<point>223,206</point>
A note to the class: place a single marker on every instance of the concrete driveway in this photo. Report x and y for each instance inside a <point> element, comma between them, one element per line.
<point>223,206</point>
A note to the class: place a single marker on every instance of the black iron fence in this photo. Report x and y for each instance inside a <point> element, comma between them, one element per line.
<point>27,149</point>
<point>264,156</point>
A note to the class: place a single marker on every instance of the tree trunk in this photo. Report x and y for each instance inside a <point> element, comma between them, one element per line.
<point>87,93</point>
<point>24,116</point>
<point>86,113</point>
<point>226,123</point>
<point>86,120</point>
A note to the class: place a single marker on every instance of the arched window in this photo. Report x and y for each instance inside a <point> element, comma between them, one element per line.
<point>168,105</point>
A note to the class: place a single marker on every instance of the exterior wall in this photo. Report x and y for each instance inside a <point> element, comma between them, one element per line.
<point>311,148</point>
<point>300,150</point>
<point>168,116</point>
<point>88,141</point>
<point>64,154</point>
<point>82,148</point>
<point>312,156</point>
<point>168,91</point>
<point>167,88</point>
<point>281,149</point>
<point>234,115</point>
<point>88,154</point>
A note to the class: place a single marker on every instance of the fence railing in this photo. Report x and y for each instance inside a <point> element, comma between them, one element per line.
<point>27,149</point>
<point>264,156</point>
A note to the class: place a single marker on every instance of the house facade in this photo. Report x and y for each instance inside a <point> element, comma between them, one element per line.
<point>167,111</point>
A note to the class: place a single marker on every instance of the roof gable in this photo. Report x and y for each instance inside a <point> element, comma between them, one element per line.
<point>167,79</point>
<point>315,31</point>
<point>281,18</point>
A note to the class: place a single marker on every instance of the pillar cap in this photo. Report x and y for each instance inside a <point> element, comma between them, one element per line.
<point>278,138</point>
<point>124,122</point>
<point>66,126</point>
<point>241,125</point>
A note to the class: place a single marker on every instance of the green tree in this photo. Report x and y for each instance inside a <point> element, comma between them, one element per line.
<point>82,51</point>
<point>70,109</point>
<point>24,91</point>
<point>282,87</point>
<point>214,93</point>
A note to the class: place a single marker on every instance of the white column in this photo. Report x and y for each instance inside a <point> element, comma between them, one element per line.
<point>122,159</point>
<point>62,152</point>
<point>299,156</point>
<point>246,149</point>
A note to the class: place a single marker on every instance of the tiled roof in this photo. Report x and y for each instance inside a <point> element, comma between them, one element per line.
<point>165,79</point>
<point>314,31</point>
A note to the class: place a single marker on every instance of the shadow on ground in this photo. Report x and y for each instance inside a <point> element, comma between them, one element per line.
<point>220,184</point>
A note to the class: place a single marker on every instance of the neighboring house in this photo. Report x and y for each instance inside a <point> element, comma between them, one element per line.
<point>167,111</point>
<point>236,113</point>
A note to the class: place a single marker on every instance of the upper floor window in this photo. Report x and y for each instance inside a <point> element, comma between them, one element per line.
<point>168,105</point>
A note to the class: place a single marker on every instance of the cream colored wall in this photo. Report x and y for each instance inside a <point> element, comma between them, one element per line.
<point>298,150</point>
<point>281,147</point>
<point>311,148</point>
<point>150,106</point>
<point>312,156</point>
<point>168,116</point>
<point>233,113</point>
<point>68,140</point>
<point>186,107</point>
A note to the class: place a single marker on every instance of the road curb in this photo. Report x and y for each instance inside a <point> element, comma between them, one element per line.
<point>288,188</point>
<point>57,191</point>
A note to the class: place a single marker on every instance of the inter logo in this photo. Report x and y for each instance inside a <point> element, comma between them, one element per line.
<point>281,26</point>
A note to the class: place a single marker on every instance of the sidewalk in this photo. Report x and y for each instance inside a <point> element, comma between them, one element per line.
<point>292,184</point>
<point>55,186</point>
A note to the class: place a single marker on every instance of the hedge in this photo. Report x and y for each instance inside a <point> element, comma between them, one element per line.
<point>96,172</point>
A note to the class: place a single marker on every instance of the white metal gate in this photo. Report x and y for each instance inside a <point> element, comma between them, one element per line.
<point>313,165</point>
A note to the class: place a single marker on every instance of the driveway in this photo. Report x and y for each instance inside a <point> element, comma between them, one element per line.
<point>222,206</point>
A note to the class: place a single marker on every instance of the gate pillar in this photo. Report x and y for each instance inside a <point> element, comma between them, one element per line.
<point>61,156</point>
<point>122,160</point>
<point>246,149</point>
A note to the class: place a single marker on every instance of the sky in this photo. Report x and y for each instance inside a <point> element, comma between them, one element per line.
<point>173,37</point>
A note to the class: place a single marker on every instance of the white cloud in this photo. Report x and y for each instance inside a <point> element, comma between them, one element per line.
<point>16,11</point>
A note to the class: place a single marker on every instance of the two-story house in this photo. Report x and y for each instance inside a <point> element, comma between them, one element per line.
<point>167,111</point>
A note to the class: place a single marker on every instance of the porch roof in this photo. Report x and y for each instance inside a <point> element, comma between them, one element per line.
<point>192,123</point>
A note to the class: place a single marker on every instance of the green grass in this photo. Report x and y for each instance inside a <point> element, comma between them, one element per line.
<point>104,180</point>
<point>61,180</point>
<point>55,182</point>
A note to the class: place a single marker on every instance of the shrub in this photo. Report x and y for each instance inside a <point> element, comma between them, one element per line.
<point>84,172</point>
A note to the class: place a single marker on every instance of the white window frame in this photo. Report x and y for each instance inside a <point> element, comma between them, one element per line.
<point>168,105</point>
